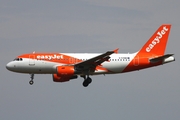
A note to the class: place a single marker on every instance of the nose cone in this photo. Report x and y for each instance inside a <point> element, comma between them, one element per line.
<point>10,66</point>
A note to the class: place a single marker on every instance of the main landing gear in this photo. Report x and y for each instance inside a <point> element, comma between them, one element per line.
<point>87,81</point>
<point>31,81</point>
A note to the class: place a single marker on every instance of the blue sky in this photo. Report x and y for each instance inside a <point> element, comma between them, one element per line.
<point>88,26</point>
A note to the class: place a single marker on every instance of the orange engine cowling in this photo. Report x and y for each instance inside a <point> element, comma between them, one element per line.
<point>65,70</point>
<point>64,74</point>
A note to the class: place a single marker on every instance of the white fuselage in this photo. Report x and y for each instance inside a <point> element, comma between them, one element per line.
<point>116,63</point>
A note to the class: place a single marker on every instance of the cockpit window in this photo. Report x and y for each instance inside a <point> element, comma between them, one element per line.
<point>18,59</point>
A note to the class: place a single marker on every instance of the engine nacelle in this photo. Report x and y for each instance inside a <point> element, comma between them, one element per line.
<point>64,74</point>
<point>63,78</point>
<point>65,70</point>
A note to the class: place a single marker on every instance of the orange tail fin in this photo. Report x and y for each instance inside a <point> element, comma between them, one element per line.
<point>157,43</point>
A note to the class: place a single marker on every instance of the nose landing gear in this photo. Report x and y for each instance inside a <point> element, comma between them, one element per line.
<point>31,82</point>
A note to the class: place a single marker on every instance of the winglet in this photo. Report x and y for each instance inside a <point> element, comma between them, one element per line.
<point>116,50</point>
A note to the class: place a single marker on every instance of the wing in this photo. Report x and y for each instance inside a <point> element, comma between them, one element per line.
<point>90,64</point>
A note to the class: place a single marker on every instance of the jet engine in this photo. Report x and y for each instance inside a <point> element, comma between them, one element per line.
<point>64,74</point>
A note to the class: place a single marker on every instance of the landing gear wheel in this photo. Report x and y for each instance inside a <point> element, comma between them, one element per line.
<point>87,82</point>
<point>31,82</point>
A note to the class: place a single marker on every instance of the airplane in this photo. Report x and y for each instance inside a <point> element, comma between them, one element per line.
<point>67,66</point>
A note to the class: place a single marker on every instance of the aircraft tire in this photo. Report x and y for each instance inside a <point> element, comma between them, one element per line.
<point>31,82</point>
<point>87,82</point>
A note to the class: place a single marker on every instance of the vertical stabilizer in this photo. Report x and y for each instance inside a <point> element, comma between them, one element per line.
<point>157,43</point>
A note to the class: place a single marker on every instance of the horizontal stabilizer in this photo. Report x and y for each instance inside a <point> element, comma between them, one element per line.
<point>157,59</point>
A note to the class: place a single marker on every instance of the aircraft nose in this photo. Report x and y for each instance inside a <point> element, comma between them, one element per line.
<point>10,66</point>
